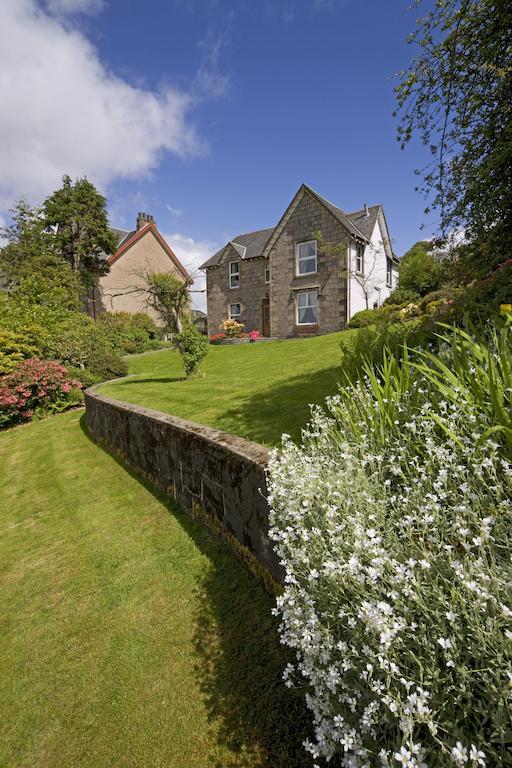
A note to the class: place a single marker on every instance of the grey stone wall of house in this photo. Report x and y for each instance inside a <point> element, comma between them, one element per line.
<point>250,293</point>
<point>202,468</point>
<point>308,216</point>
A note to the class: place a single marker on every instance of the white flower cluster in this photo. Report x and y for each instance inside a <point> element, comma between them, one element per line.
<point>397,598</point>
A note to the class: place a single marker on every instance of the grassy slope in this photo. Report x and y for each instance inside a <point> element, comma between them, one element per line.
<point>257,391</point>
<point>128,635</point>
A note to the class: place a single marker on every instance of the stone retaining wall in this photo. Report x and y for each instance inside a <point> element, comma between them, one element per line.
<point>217,475</point>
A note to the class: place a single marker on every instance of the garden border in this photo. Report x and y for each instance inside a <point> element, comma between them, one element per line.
<point>217,477</point>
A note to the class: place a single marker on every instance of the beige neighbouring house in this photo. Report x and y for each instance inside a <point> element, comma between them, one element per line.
<point>143,250</point>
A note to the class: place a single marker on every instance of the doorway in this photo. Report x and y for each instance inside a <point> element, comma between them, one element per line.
<point>265,317</point>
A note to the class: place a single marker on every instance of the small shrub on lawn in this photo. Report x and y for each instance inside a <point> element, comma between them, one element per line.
<point>217,337</point>
<point>36,388</point>
<point>193,348</point>
<point>393,521</point>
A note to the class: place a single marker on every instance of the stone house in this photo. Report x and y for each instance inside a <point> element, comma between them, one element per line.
<point>143,250</point>
<point>307,275</point>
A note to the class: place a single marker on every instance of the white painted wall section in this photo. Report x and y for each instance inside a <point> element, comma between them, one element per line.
<point>372,284</point>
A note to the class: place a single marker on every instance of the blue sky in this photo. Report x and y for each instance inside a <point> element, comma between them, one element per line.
<point>209,113</point>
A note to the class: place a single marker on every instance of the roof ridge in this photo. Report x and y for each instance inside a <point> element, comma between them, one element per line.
<point>363,210</point>
<point>253,232</point>
<point>329,205</point>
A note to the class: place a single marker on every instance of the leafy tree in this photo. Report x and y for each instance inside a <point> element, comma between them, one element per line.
<point>30,255</point>
<point>418,270</point>
<point>77,215</point>
<point>456,96</point>
<point>168,296</point>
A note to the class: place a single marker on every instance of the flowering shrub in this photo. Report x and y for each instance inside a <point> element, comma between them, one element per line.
<point>232,328</point>
<point>393,522</point>
<point>254,335</point>
<point>35,388</point>
<point>217,337</point>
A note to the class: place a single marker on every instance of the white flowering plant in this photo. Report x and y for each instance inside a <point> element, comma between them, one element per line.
<point>393,523</point>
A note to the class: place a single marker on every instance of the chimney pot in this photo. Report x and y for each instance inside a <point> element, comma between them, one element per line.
<point>143,219</point>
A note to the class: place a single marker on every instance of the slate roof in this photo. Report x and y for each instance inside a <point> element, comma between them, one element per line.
<point>249,246</point>
<point>344,218</point>
<point>365,223</point>
<point>121,234</point>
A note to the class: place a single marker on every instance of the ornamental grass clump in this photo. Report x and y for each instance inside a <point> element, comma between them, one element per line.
<point>393,521</point>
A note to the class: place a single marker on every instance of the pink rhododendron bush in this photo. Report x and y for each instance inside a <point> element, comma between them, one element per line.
<point>393,523</point>
<point>36,388</point>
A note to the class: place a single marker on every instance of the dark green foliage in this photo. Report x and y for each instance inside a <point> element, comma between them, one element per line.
<point>81,342</point>
<point>35,313</point>
<point>418,270</point>
<point>131,333</point>
<point>373,342</point>
<point>31,254</point>
<point>401,296</point>
<point>82,236</point>
<point>482,298</point>
<point>384,314</point>
<point>456,96</point>
<point>193,348</point>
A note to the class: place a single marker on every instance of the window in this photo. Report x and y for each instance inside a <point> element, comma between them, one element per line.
<point>307,307</point>
<point>267,274</point>
<point>389,273</point>
<point>306,258</point>
<point>235,312</point>
<point>234,274</point>
<point>359,259</point>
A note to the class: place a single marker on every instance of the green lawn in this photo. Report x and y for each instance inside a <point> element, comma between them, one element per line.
<point>129,636</point>
<point>257,391</point>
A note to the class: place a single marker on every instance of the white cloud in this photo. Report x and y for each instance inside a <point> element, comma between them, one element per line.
<point>66,7</point>
<point>63,111</point>
<point>174,211</point>
<point>192,253</point>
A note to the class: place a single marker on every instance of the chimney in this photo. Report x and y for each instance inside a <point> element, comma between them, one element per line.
<point>366,211</point>
<point>143,219</point>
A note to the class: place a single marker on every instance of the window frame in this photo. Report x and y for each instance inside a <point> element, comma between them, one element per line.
<point>308,306</point>
<point>298,273</point>
<point>234,274</point>
<point>237,316</point>
<point>359,265</point>
<point>389,273</point>
<point>266,274</point>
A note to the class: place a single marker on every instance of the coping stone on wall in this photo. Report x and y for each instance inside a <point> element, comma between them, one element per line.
<point>221,474</point>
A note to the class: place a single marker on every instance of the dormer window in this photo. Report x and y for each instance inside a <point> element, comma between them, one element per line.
<point>234,274</point>
<point>306,258</point>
